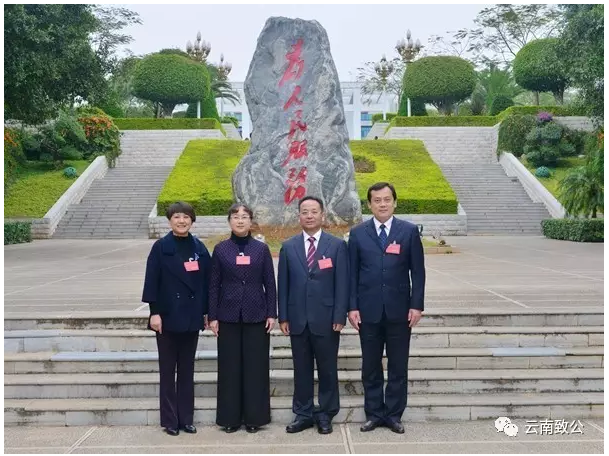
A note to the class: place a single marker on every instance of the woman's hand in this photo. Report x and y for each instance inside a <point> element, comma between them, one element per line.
<point>214,326</point>
<point>270,323</point>
<point>156,323</point>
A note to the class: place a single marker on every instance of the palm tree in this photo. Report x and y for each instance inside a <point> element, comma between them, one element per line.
<point>494,82</point>
<point>222,88</point>
<point>582,190</point>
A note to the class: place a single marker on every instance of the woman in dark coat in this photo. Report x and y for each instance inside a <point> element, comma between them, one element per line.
<point>176,289</point>
<point>242,312</point>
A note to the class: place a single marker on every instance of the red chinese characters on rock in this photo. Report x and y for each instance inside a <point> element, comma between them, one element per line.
<point>295,183</point>
<point>297,146</point>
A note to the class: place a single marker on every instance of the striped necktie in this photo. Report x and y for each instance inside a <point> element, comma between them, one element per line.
<point>311,253</point>
<point>383,237</point>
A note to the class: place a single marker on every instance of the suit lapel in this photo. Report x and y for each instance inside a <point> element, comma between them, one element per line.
<point>322,246</point>
<point>298,245</point>
<point>396,229</point>
<point>371,230</point>
<point>177,265</point>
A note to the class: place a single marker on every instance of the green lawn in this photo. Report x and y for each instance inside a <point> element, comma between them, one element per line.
<point>37,187</point>
<point>557,173</point>
<point>202,176</point>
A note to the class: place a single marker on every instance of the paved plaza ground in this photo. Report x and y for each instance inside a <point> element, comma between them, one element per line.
<point>510,273</point>
<point>433,437</point>
<point>490,272</point>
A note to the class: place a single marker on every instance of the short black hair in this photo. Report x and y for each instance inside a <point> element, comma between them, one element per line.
<point>235,208</point>
<point>311,198</point>
<point>181,207</point>
<point>380,186</point>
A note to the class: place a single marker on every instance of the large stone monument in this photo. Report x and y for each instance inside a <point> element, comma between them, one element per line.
<point>299,143</point>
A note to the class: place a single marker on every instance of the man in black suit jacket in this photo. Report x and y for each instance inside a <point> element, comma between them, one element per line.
<point>385,255</point>
<point>313,296</point>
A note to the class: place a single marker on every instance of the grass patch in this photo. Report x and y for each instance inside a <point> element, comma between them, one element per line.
<point>202,176</point>
<point>564,166</point>
<point>37,187</point>
<point>419,182</point>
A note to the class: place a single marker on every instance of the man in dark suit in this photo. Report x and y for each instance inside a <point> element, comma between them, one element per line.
<point>313,296</point>
<point>385,256</point>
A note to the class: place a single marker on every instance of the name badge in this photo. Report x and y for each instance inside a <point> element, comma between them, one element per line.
<point>393,248</point>
<point>191,266</point>
<point>325,263</point>
<point>242,260</point>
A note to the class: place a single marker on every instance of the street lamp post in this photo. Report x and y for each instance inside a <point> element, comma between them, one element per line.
<point>408,51</point>
<point>383,70</point>
<point>199,52</point>
<point>224,69</point>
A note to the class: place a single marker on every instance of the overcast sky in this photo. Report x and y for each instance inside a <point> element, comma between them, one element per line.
<point>358,33</point>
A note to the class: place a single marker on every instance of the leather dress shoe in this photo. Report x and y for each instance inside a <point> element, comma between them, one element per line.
<point>230,429</point>
<point>396,427</point>
<point>324,427</point>
<point>298,426</point>
<point>189,429</point>
<point>172,431</point>
<point>370,426</point>
<point>252,429</point>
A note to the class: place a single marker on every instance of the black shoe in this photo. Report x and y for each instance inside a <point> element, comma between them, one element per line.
<point>252,429</point>
<point>369,426</point>
<point>324,427</point>
<point>230,429</point>
<point>172,431</point>
<point>189,429</point>
<point>299,426</point>
<point>396,427</point>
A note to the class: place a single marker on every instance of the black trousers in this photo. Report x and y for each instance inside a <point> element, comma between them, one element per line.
<point>394,337</point>
<point>306,348</point>
<point>177,400</point>
<point>243,375</point>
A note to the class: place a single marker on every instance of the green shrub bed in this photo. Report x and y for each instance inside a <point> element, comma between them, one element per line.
<point>17,232</point>
<point>168,124</point>
<point>580,230</point>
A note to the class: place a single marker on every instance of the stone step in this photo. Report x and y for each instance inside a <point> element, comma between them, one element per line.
<point>421,407</point>
<point>591,316</point>
<point>348,359</point>
<point>38,340</point>
<point>453,381</point>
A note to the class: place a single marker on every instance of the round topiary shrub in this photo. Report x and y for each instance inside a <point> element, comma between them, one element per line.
<point>441,81</point>
<point>542,171</point>
<point>70,172</point>
<point>500,103</point>
<point>513,131</point>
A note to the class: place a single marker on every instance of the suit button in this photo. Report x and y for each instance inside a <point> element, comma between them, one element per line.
<point>177,295</point>
<point>243,282</point>
<point>383,285</point>
<point>384,270</point>
<point>192,297</point>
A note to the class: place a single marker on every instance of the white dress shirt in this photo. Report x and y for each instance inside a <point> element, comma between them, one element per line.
<point>307,243</point>
<point>387,224</point>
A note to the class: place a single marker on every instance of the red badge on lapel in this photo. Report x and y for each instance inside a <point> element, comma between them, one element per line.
<point>191,266</point>
<point>242,260</point>
<point>393,248</point>
<point>325,263</point>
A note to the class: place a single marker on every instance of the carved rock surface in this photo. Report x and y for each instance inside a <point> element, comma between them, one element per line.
<point>299,142</point>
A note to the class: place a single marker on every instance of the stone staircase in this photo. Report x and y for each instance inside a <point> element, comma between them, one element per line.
<point>378,129</point>
<point>117,206</point>
<point>231,131</point>
<point>494,203</point>
<point>101,369</point>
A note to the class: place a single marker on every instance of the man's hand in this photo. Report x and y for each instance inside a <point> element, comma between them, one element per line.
<point>414,316</point>
<point>338,327</point>
<point>270,323</point>
<point>205,322</point>
<point>355,319</point>
<point>156,323</point>
<point>285,328</point>
<point>215,327</point>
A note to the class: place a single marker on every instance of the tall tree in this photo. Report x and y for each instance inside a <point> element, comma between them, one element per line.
<point>48,60</point>
<point>582,47</point>
<point>373,86</point>
<point>503,29</point>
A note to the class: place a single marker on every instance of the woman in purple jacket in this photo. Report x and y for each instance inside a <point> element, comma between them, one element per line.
<point>242,312</point>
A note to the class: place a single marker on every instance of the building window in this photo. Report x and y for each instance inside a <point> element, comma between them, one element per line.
<point>366,116</point>
<point>365,130</point>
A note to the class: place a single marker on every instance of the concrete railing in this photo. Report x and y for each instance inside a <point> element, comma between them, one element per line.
<point>535,189</point>
<point>44,227</point>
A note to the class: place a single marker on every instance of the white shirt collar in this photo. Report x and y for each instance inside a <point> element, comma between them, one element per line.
<point>387,224</point>
<point>316,236</point>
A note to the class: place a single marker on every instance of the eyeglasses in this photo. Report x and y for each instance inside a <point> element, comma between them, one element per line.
<point>245,217</point>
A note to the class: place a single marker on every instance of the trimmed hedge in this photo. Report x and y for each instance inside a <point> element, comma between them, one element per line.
<point>168,124</point>
<point>202,176</point>
<point>444,121</point>
<point>579,230</point>
<point>534,110</point>
<point>419,182</point>
<point>378,117</point>
<point>17,232</point>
